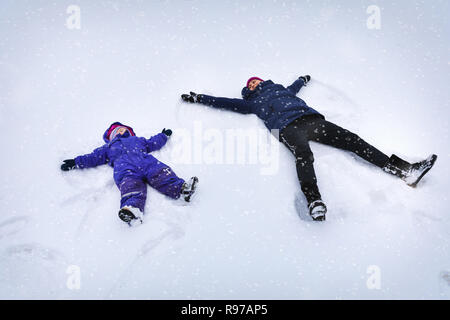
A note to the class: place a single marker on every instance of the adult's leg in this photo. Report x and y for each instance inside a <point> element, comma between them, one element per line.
<point>165,181</point>
<point>295,138</point>
<point>328,133</point>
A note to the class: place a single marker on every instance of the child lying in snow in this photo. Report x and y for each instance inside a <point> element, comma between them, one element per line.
<point>133,167</point>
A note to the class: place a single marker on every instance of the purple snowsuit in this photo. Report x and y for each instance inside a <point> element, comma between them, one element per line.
<point>134,167</point>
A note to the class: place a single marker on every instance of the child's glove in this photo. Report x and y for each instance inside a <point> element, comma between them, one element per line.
<point>306,79</point>
<point>167,132</point>
<point>192,97</point>
<point>68,164</point>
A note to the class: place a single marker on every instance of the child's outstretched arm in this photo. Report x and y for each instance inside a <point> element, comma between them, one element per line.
<point>158,141</point>
<point>298,84</point>
<point>98,157</point>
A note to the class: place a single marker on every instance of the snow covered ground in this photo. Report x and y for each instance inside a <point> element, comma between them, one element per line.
<point>242,237</point>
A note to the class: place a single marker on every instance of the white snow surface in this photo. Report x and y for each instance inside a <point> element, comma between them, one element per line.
<point>242,237</point>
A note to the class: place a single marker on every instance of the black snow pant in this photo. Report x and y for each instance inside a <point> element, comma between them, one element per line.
<point>296,137</point>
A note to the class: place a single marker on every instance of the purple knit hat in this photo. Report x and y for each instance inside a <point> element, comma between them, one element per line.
<point>253,78</point>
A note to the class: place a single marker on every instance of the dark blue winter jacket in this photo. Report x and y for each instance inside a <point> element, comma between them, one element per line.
<point>276,105</point>
<point>127,154</point>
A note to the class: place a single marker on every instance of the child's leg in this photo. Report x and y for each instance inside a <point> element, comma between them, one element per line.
<point>166,181</point>
<point>133,192</point>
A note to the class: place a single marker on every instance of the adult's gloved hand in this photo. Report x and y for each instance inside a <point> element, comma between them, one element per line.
<point>306,78</point>
<point>167,132</point>
<point>191,97</point>
<point>68,164</point>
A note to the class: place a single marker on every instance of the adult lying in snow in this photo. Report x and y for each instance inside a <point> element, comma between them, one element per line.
<point>133,168</point>
<point>282,110</point>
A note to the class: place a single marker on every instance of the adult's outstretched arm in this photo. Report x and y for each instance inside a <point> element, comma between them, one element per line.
<point>237,105</point>
<point>298,84</point>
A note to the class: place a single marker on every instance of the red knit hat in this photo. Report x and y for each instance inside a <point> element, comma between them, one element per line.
<point>253,78</point>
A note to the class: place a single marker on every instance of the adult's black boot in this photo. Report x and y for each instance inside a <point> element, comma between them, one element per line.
<point>317,208</point>
<point>411,173</point>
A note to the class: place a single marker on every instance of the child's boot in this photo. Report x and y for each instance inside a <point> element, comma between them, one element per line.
<point>131,215</point>
<point>188,189</point>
